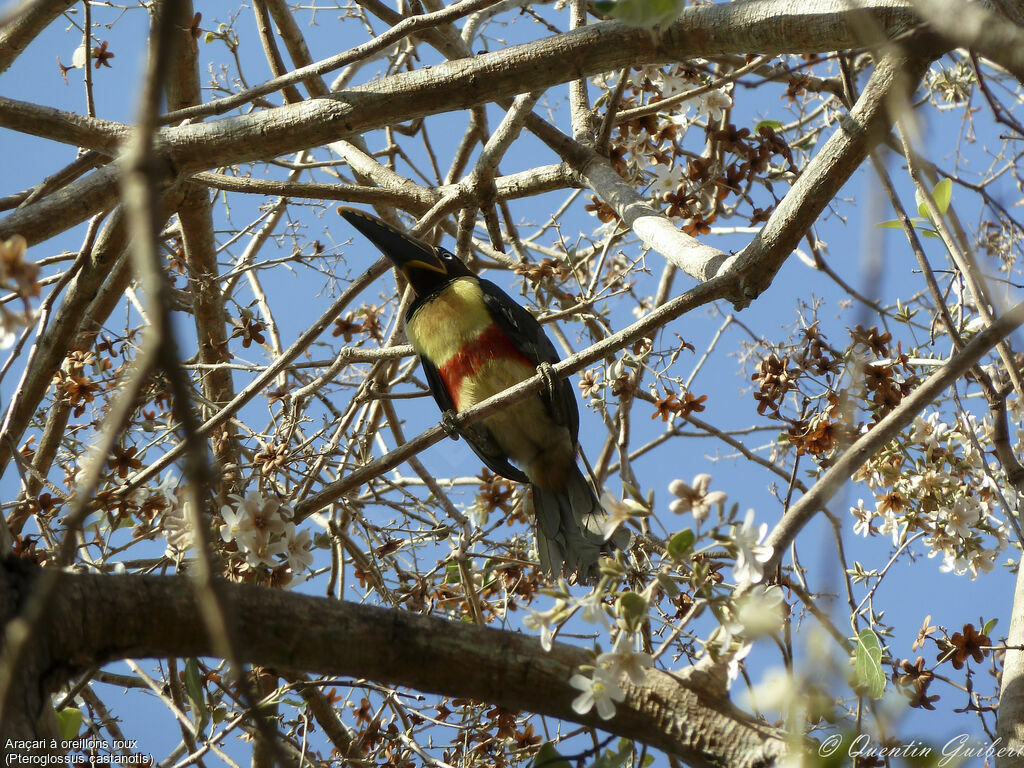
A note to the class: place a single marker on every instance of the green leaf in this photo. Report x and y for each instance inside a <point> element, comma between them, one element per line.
<point>548,757</point>
<point>196,694</point>
<point>903,313</point>
<point>632,609</point>
<point>891,224</point>
<point>942,194</point>
<point>614,759</point>
<point>667,585</point>
<point>69,722</point>
<point>922,208</point>
<point>641,13</point>
<point>867,668</point>
<point>773,124</point>
<point>452,574</point>
<point>989,626</point>
<point>680,544</point>
<point>928,232</point>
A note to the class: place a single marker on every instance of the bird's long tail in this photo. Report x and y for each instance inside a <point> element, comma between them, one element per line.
<point>570,528</point>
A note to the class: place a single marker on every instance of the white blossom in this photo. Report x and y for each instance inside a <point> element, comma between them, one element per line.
<point>600,691</point>
<point>732,671</point>
<point>623,660</point>
<point>759,612</point>
<point>619,511</point>
<point>265,552</point>
<point>592,610</point>
<point>298,544</point>
<point>863,517</point>
<point>778,691</point>
<point>695,498</point>
<point>891,526</point>
<point>166,490</point>
<point>751,554</point>
<point>673,84</point>
<point>11,323</point>
<point>962,516</point>
<point>237,526</point>
<point>982,561</point>
<point>176,529</point>
<point>255,526</point>
<point>667,180</point>
<point>267,516</point>
<point>545,621</point>
<point>715,102</point>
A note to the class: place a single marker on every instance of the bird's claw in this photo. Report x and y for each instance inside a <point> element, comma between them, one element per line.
<point>546,372</point>
<point>450,425</point>
<point>550,391</point>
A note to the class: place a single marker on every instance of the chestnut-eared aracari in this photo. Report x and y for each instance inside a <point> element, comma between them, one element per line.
<point>473,342</point>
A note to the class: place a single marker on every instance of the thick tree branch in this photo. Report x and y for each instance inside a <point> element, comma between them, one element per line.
<point>195,215</point>
<point>1009,721</point>
<point>25,24</point>
<point>65,208</point>
<point>768,26</point>
<point>277,629</point>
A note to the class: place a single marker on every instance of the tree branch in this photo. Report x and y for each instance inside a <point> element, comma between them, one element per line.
<point>278,629</point>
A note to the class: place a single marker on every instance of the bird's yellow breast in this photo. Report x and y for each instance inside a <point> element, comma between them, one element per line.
<point>440,327</point>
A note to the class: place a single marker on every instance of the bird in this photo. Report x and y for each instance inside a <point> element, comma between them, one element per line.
<point>474,341</point>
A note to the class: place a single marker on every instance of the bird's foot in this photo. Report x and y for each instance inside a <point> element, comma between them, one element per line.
<point>546,372</point>
<point>450,424</point>
<point>550,391</point>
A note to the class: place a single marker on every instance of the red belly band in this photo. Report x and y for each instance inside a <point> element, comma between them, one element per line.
<point>491,344</point>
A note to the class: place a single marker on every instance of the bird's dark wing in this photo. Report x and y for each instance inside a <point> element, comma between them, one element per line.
<point>527,334</point>
<point>477,435</point>
<point>518,325</point>
<point>437,385</point>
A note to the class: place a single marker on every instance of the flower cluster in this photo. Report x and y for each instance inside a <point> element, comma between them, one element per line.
<point>658,106</point>
<point>645,149</point>
<point>631,616</point>
<point>603,685</point>
<point>262,531</point>
<point>938,483</point>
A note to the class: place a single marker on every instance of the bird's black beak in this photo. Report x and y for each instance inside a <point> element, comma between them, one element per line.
<point>420,263</point>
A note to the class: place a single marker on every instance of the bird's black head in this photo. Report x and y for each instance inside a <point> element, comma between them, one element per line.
<point>428,268</point>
